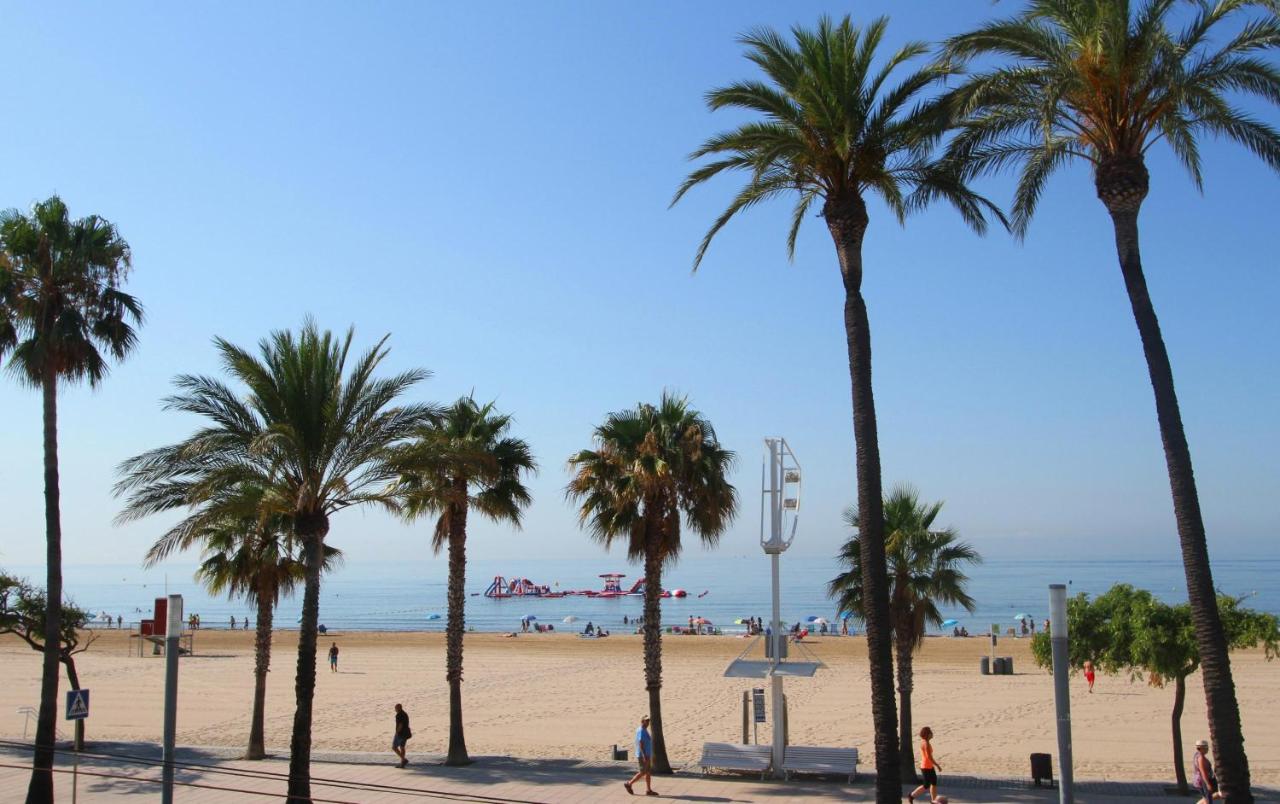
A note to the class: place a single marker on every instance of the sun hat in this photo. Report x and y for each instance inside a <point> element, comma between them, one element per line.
<point>1202,743</point>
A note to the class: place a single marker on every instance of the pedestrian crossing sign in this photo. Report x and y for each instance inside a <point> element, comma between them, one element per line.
<point>77,704</point>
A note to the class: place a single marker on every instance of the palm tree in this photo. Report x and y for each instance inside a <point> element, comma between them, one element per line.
<point>1102,82</point>
<point>651,465</point>
<point>311,434</point>
<point>251,556</point>
<point>463,462</point>
<point>924,571</point>
<point>834,131</point>
<point>61,308</point>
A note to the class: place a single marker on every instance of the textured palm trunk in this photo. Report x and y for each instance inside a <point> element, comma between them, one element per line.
<point>847,220</point>
<point>904,647</point>
<point>1122,185</point>
<point>311,529</point>
<point>261,666</point>
<point>454,630</point>
<point>1179,698</point>
<point>40,788</point>
<point>653,652</point>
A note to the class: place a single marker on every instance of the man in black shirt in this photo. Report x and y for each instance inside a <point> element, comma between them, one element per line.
<point>402,734</point>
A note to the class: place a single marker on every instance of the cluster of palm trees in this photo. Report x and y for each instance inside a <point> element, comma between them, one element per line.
<point>1063,81</point>
<point>1094,81</point>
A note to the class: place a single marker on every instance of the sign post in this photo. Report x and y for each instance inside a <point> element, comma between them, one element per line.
<point>172,637</point>
<point>77,710</point>
<point>757,701</point>
<point>1061,690</point>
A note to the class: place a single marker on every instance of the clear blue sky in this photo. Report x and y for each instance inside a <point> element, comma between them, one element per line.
<point>489,184</point>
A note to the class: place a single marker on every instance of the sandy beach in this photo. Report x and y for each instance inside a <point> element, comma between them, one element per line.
<point>553,695</point>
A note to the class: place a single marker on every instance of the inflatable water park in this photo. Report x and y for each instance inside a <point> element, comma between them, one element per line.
<point>524,588</point>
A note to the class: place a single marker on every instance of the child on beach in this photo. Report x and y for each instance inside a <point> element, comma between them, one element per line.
<point>929,768</point>
<point>644,755</point>
<point>1089,674</point>
<point>333,658</point>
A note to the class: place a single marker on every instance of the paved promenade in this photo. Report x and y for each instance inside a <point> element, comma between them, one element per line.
<point>121,772</point>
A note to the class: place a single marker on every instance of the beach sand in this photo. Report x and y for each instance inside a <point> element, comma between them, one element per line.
<point>553,695</point>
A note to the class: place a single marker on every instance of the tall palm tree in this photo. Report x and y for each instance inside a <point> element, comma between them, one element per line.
<point>311,433</point>
<point>834,131</point>
<point>1102,82</point>
<point>61,308</point>
<point>250,555</point>
<point>651,466</point>
<point>925,570</point>
<point>463,462</point>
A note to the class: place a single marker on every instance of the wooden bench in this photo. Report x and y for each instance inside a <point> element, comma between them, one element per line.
<point>731,756</point>
<point>813,759</point>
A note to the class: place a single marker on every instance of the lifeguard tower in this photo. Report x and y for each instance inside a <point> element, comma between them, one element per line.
<point>153,632</point>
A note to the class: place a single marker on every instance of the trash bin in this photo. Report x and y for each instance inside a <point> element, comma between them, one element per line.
<point>1041,769</point>
<point>984,664</point>
<point>997,666</point>
<point>1008,665</point>
<point>619,754</point>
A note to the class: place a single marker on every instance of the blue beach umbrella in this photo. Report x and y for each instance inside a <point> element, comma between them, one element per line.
<point>812,618</point>
<point>1021,617</point>
<point>531,616</point>
<point>950,623</point>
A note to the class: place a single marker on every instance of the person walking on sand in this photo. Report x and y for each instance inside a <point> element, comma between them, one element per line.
<point>929,768</point>
<point>1202,774</point>
<point>402,734</point>
<point>1089,674</point>
<point>333,658</point>
<point>644,755</point>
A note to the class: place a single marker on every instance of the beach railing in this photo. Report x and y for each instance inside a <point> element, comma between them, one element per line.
<point>30,713</point>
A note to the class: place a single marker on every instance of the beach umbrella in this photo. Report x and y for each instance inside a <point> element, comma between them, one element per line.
<point>531,616</point>
<point>950,623</point>
<point>820,621</point>
<point>433,616</point>
<point>739,621</point>
<point>1022,617</point>
<point>569,619</point>
<point>812,618</point>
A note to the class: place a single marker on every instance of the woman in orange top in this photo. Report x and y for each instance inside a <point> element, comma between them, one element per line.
<point>929,767</point>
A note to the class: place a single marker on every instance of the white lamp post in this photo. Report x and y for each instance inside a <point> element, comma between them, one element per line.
<point>783,493</point>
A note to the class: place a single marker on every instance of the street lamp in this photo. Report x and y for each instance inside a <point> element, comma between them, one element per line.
<point>783,494</point>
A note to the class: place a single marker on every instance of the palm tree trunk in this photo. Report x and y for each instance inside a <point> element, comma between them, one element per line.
<point>312,530</point>
<point>455,628</point>
<point>847,220</point>
<point>905,748</point>
<point>653,652</point>
<point>40,789</point>
<point>261,666</point>
<point>1219,688</point>
<point>1179,698</point>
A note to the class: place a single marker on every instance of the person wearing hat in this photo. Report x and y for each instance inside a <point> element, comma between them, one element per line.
<point>644,755</point>
<point>1202,774</point>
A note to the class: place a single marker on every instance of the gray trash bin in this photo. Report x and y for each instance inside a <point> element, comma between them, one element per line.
<point>984,664</point>
<point>1008,665</point>
<point>997,667</point>
<point>619,753</point>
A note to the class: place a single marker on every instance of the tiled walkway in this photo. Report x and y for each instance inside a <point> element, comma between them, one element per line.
<point>130,772</point>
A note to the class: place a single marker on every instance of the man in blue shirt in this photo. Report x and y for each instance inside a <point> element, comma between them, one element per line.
<point>644,755</point>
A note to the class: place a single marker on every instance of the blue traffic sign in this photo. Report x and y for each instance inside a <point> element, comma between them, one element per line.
<point>77,704</point>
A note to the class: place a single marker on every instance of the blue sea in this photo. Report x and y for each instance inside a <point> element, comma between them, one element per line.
<point>404,596</point>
